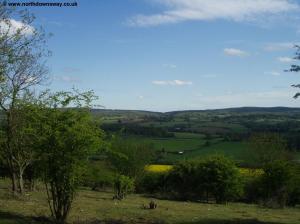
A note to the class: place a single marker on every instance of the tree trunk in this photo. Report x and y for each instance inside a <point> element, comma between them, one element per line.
<point>13,176</point>
<point>32,184</point>
<point>9,132</point>
<point>14,186</point>
<point>21,181</point>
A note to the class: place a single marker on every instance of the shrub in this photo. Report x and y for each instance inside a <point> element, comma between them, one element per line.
<point>277,183</point>
<point>216,177</point>
<point>182,181</point>
<point>220,178</point>
<point>267,147</point>
<point>129,158</point>
<point>98,175</point>
<point>252,189</point>
<point>152,183</point>
<point>123,185</point>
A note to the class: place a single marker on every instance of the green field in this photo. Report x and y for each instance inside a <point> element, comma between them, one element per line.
<point>92,207</point>
<point>201,133</point>
<point>193,146</point>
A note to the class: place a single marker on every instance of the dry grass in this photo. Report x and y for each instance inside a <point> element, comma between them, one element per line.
<point>91,207</point>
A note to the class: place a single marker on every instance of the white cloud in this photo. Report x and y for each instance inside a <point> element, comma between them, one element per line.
<point>285,59</point>
<point>279,46</point>
<point>175,82</point>
<point>12,26</point>
<point>236,10</point>
<point>235,52</point>
<point>172,66</point>
<point>274,73</point>
<point>141,97</point>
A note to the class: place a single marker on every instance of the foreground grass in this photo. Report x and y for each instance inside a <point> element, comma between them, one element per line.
<point>98,207</point>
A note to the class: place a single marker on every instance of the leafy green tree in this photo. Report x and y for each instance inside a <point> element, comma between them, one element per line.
<point>98,175</point>
<point>153,182</point>
<point>294,194</point>
<point>122,186</point>
<point>267,147</point>
<point>69,137</point>
<point>22,67</point>
<point>219,178</point>
<point>26,137</point>
<point>129,158</point>
<point>214,177</point>
<point>183,182</point>
<point>277,182</point>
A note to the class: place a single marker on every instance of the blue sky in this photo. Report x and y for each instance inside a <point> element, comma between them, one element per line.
<point>163,55</point>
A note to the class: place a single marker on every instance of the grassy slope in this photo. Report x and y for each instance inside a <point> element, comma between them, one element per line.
<point>90,206</point>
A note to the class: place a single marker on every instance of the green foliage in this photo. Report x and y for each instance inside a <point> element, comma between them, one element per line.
<point>266,147</point>
<point>279,184</point>
<point>23,138</point>
<point>68,138</point>
<point>183,181</point>
<point>123,185</point>
<point>220,178</point>
<point>134,129</point>
<point>130,158</point>
<point>23,55</point>
<point>98,176</point>
<point>215,177</point>
<point>252,190</point>
<point>153,183</point>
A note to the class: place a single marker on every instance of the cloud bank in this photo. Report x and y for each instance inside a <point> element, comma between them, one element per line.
<point>285,59</point>
<point>235,52</point>
<point>203,10</point>
<point>12,26</point>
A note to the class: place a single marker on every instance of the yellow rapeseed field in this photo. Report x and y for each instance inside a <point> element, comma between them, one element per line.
<point>158,168</point>
<point>247,172</point>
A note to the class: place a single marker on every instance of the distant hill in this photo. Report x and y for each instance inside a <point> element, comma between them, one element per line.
<point>244,110</point>
<point>109,112</point>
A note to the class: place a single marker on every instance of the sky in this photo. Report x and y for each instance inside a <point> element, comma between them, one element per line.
<point>165,55</point>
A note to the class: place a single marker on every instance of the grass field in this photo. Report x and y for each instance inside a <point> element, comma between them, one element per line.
<point>212,127</point>
<point>92,207</point>
<point>193,146</point>
<point>181,141</point>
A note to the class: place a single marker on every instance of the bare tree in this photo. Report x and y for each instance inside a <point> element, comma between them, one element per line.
<point>22,67</point>
<point>296,68</point>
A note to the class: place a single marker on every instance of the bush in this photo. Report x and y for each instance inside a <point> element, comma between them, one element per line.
<point>220,178</point>
<point>123,185</point>
<point>216,177</point>
<point>182,181</point>
<point>252,189</point>
<point>152,183</point>
<point>129,158</point>
<point>98,176</point>
<point>279,184</point>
